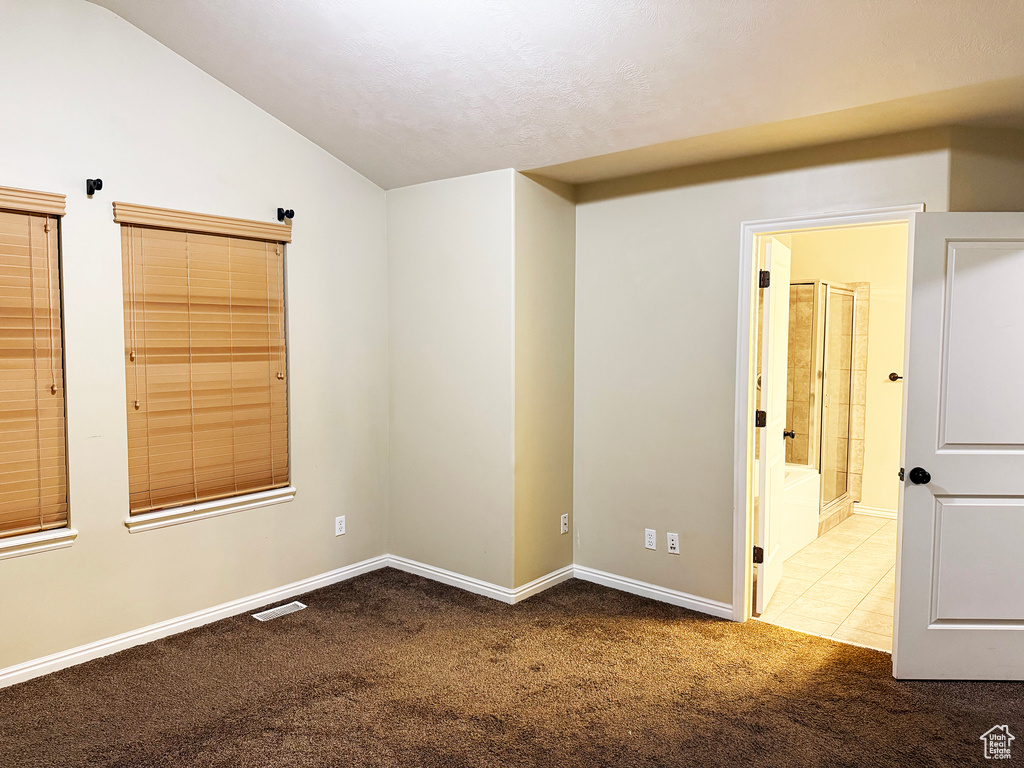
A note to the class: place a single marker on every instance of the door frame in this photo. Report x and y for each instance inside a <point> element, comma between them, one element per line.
<point>746,342</point>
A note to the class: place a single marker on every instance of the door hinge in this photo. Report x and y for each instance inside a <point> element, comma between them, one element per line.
<point>766,279</point>
<point>760,418</point>
<point>758,555</point>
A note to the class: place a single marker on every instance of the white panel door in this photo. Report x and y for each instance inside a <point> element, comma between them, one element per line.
<point>774,369</point>
<point>960,585</point>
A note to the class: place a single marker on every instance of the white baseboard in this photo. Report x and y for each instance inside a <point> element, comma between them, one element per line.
<point>452,579</point>
<point>653,591</point>
<point>544,582</point>
<point>57,661</point>
<point>860,509</point>
<point>63,659</point>
<point>478,587</point>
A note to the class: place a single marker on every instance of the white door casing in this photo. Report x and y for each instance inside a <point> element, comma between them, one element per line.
<point>960,587</point>
<point>774,370</point>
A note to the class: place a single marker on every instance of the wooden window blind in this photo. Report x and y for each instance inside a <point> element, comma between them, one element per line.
<point>205,359</point>
<point>33,467</point>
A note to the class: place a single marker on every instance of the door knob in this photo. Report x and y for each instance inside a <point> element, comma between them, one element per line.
<point>920,476</point>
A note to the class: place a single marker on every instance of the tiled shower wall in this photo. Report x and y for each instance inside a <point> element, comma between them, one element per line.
<point>835,444</point>
<point>858,397</point>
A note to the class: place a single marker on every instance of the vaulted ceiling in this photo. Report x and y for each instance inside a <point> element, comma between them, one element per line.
<point>407,91</point>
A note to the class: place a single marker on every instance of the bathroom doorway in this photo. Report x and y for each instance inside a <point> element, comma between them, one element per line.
<point>831,530</point>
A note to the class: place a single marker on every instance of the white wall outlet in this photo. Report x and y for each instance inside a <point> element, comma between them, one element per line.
<point>339,525</point>
<point>650,538</point>
<point>673,543</point>
<point>565,523</point>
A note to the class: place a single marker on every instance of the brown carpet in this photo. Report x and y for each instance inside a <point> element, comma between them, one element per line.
<point>393,670</point>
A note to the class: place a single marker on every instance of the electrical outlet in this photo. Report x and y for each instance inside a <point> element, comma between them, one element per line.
<point>650,538</point>
<point>673,543</point>
<point>565,523</point>
<point>339,525</point>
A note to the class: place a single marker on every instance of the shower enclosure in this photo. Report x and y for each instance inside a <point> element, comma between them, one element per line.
<point>822,322</point>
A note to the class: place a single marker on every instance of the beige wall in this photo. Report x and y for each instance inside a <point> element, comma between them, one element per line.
<point>875,255</point>
<point>545,260</point>
<point>481,351</point>
<point>450,261</point>
<point>987,170</point>
<point>657,282</point>
<point>88,95</point>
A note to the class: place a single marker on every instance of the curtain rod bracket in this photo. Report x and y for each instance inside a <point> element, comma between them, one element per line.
<point>283,214</point>
<point>93,186</point>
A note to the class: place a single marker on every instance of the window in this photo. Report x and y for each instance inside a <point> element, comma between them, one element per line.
<point>33,467</point>
<point>205,360</point>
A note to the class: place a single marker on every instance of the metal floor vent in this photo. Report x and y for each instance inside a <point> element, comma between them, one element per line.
<point>281,610</point>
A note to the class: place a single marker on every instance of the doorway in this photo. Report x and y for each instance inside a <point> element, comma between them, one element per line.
<point>824,528</point>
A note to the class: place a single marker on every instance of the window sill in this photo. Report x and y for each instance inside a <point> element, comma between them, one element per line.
<point>163,518</point>
<point>31,543</point>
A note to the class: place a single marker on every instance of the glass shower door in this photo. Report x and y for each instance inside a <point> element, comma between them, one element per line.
<point>838,380</point>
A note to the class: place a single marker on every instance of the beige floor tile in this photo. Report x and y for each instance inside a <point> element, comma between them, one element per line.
<point>874,520</point>
<point>883,604</point>
<point>861,524</point>
<point>888,581</point>
<point>885,589</point>
<point>823,562</point>
<point>779,603</point>
<point>836,537</point>
<point>860,637</point>
<point>879,558</point>
<point>878,549</point>
<point>853,581</point>
<point>869,622</point>
<point>835,550</point>
<point>882,548</point>
<point>883,538</point>
<point>885,533</point>
<point>881,552</point>
<point>788,586</point>
<point>818,609</point>
<point>863,568</point>
<point>805,572</point>
<point>848,598</point>
<point>841,584</point>
<point>805,624</point>
<point>771,615</point>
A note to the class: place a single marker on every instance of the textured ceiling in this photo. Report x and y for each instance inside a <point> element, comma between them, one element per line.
<point>406,91</point>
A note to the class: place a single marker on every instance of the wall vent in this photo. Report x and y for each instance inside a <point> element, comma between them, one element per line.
<point>281,610</point>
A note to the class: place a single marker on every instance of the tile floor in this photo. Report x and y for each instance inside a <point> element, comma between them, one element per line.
<point>841,585</point>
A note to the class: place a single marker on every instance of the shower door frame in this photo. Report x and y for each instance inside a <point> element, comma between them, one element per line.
<point>746,366</point>
<point>843,498</point>
<point>820,325</point>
